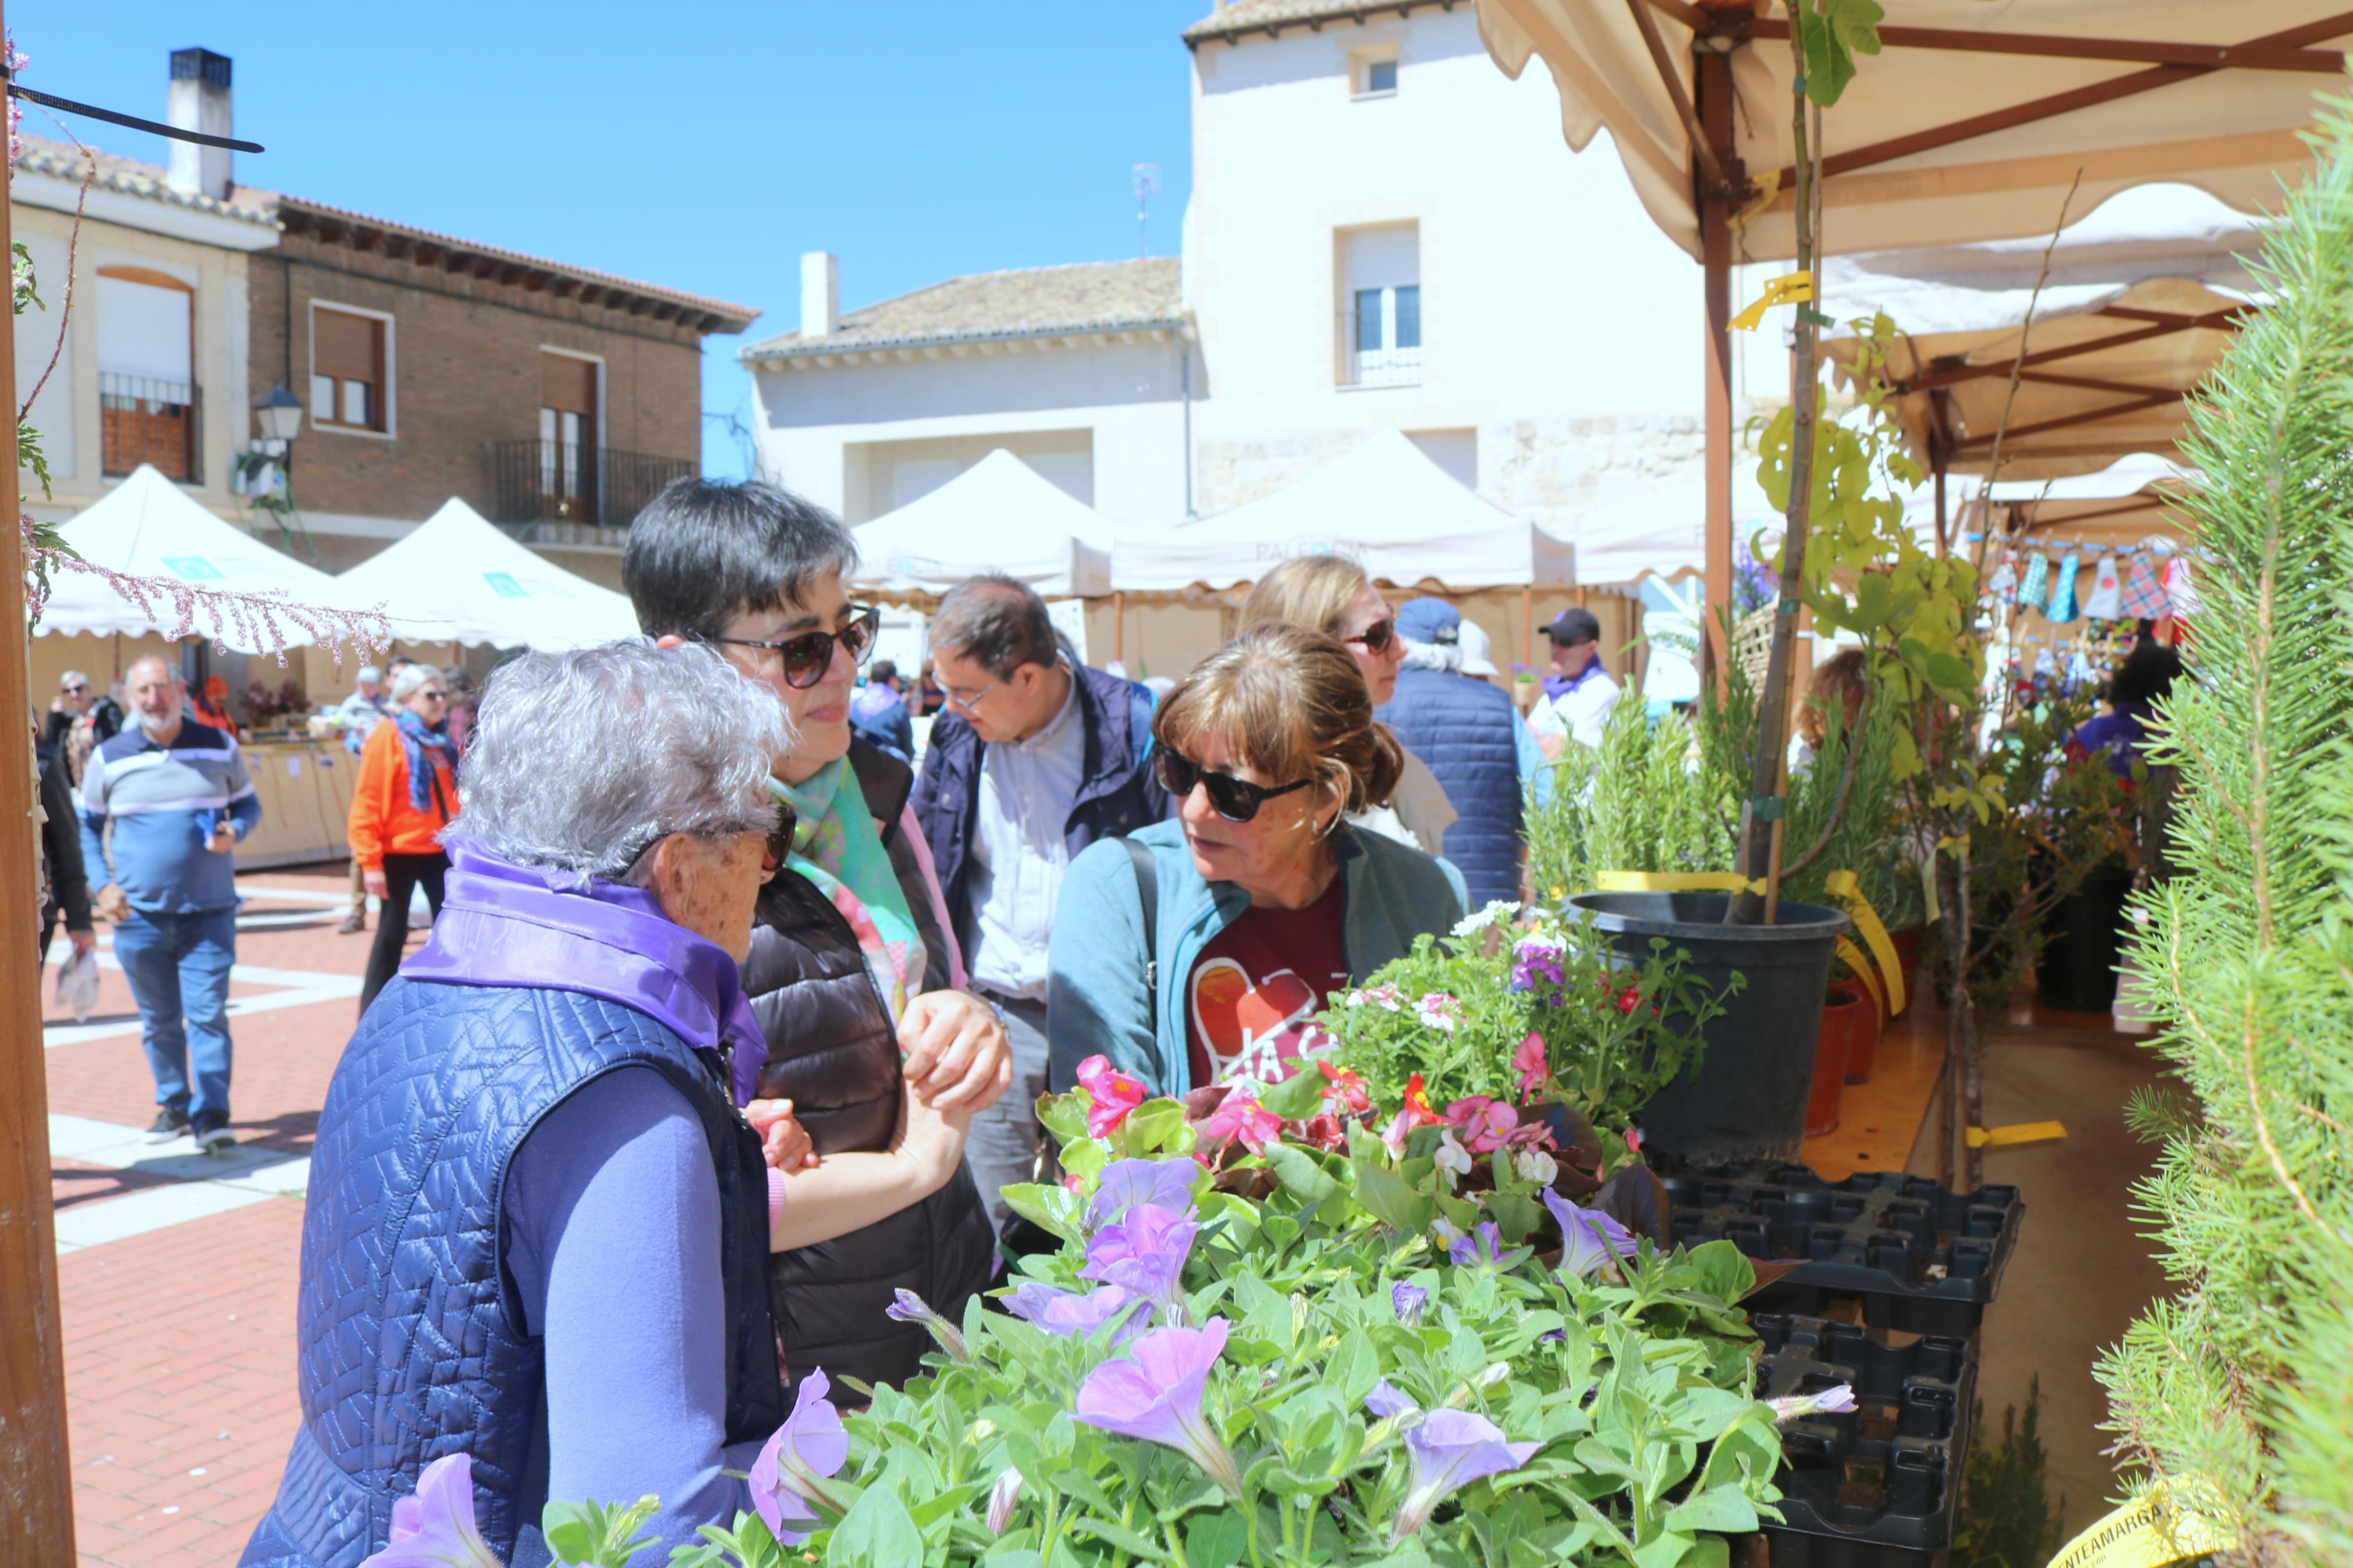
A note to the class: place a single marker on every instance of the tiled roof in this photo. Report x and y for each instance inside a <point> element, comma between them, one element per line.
<point>269,209</point>
<point>1235,17</point>
<point>1084,298</point>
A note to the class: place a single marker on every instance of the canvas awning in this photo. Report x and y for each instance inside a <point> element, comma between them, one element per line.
<point>2130,500</point>
<point>149,528</point>
<point>1408,521</point>
<point>1970,125</point>
<point>999,515</point>
<point>458,578</point>
<point>2138,307</point>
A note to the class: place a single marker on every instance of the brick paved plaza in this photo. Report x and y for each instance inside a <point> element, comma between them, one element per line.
<point>178,1270</point>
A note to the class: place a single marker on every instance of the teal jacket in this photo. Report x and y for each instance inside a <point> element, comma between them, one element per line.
<point>1102,1000</point>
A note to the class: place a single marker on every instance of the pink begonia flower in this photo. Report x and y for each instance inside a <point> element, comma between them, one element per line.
<point>1240,1115</point>
<point>1440,1012</point>
<point>1110,1095</point>
<point>434,1526</point>
<point>1528,1061</point>
<point>790,1473</point>
<point>1155,1392</point>
<point>1487,1124</point>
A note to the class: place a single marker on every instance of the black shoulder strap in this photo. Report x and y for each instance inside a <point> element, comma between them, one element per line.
<point>1147,892</point>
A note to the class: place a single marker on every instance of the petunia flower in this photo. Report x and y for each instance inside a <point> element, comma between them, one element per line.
<point>434,1527</point>
<point>1110,1095</point>
<point>792,1470</point>
<point>1065,1313</point>
<point>1408,1303</point>
<point>906,1307</point>
<point>1161,1184</point>
<point>1499,910</point>
<point>1240,1115</point>
<point>1143,1253</point>
<point>1484,1248</point>
<point>1001,1499</point>
<point>1538,959</point>
<point>1589,1239</point>
<point>1528,1061</point>
<point>1154,1393</point>
<point>1447,1449</point>
<point>1835,1400</point>
<point>1386,1403</point>
<point>1439,1011</point>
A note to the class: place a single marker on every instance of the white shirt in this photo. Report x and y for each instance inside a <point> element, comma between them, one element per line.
<point>1021,849</point>
<point>1581,712</point>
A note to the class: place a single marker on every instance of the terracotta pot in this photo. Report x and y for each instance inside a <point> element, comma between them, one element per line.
<point>1862,1042</point>
<point>1840,1014</point>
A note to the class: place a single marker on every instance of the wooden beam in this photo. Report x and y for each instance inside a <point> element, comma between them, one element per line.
<point>1690,17</point>
<point>2088,96</point>
<point>536,281</point>
<point>1712,78</point>
<point>1710,168</point>
<point>2069,421</point>
<point>2086,383</point>
<point>2209,56</point>
<point>2168,325</point>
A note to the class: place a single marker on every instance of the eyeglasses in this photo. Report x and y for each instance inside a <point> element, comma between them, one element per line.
<point>1236,800</point>
<point>808,656</point>
<point>775,854</point>
<point>968,703</point>
<point>1378,637</point>
<point>433,695</point>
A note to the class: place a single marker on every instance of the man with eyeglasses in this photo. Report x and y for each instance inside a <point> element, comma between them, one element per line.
<point>1036,757</point>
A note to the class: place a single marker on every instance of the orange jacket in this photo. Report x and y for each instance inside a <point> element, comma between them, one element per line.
<point>383,822</point>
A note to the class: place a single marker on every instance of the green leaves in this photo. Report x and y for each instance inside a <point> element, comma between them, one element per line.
<point>596,1534</point>
<point>1834,32</point>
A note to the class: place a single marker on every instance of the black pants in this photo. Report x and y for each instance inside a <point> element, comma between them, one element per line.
<point>402,873</point>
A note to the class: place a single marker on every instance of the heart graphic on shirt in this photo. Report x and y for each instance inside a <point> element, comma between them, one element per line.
<point>1234,1016</point>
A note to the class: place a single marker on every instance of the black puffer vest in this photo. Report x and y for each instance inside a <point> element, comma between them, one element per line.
<point>833,1051</point>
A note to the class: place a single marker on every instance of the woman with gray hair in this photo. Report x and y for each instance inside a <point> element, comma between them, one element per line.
<point>538,1225</point>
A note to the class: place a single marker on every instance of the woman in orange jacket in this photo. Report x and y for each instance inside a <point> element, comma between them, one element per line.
<point>405,794</point>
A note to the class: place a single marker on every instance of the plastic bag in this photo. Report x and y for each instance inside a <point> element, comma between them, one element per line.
<point>78,983</point>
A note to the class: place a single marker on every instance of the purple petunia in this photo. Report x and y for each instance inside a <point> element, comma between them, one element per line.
<point>906,1307</point>
<point>1538,959</point>
<point>434,1526</point>
<point>1143,1252</point>
<point>1068,1312</point>
<point>1154,1393</point>
<point>1484,1248</point>
<point>1447,1449</point>
<point>1589,1239</point>
<point>1408,1302</point>
<point>790,1473</point>
<point>1161,1184</point>
<point>1836,1400</point>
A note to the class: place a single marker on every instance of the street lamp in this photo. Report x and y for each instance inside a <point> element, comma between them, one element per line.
<point>263,474</point>
<point>280,414</point>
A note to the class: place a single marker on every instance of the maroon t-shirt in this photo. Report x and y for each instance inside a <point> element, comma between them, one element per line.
<point>1259,981</point>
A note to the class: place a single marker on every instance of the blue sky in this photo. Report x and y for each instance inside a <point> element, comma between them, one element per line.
<point>702,147</point>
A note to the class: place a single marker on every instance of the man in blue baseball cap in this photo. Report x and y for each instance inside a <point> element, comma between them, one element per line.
<point>1466,731</point>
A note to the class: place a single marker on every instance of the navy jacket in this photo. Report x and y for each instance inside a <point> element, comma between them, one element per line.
<point>1117,791</point>
<point>405,1325</point>
<point>1463,730</point>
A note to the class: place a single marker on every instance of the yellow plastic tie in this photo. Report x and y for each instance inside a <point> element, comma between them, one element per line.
<point>1675,882</point>
<point>1789,289</point>
<point>1852,956</point>
<point>2170,1523</point>
<point>1847,889</point>
<point>2015,1132</point>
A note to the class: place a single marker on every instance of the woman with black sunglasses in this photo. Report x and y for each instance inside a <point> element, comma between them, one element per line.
<point>1264,900</point>
<point>1332,595</point>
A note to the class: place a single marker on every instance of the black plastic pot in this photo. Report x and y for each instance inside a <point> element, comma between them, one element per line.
<point>1921,1259</point>
<point>1880,1486</point>
<point>2083,941</point>
<point>1747,1098</point>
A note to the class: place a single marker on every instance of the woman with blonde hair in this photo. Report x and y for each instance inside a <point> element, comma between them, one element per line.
<point>1331,593</point>
<point>1197,950</point>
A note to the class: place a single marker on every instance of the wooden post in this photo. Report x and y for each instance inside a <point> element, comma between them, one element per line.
<point>1712,81</point>
<point>1119,627</point>
<point>36,1526</point>
<point>1528,624</point>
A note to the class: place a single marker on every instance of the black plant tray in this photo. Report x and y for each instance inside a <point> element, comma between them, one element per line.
<point>1924,1260</point>
<point>1879,1487</point>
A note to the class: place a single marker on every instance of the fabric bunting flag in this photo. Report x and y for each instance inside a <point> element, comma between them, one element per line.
<point>2063,593</point>
<point>2032,592</point>
<point>2144,596</point>
<point>2106,601</point>
<point>2005,581</point>
<point>2179,591</point>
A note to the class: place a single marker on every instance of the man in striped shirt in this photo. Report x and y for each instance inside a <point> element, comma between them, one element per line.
<point>177,798</point>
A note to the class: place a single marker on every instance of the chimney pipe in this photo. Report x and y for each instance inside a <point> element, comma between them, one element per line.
<point>820,294</point>
<point>199,101</point>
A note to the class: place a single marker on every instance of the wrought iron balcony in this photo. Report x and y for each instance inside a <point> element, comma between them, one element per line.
<point>143,420</point>
<point>564,481</point>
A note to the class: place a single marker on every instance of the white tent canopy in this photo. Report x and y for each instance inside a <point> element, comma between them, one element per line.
<point>1403,517</point>
<point>1971,124</point>
<point>147,527</point>
<point>2130,499</point>
<point>457,578</point>
<point>999,515</point>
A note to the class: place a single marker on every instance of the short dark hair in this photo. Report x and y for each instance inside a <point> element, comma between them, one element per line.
<point>881,672</point>
<point>2147,673</point>
<point>704,551</point>
<point>997,622</point>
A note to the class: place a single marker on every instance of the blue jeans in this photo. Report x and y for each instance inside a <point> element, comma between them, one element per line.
<point>178,969</point>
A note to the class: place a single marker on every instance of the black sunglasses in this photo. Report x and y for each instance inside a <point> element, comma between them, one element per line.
<point>1378,637</point>
<point>807,655</point>
<point>778,851</point>
<point>1236,800</point>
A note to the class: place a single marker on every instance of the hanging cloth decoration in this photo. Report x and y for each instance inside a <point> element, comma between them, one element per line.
<point>2062,594</point>
<point>2005,581</point>
<point>2144,596</point>
<point>2032,593</point>
<point>2178,590</point>
<point>2106,601</point>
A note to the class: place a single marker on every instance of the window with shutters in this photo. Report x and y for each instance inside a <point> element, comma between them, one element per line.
<point>351,369</point>
<point>146,373</point>
<point>568,436</point>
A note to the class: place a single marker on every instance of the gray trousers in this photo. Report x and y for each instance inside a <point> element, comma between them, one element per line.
<point>1002,1147</point>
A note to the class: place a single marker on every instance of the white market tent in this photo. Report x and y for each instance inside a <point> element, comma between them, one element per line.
<point>2138,306</point>
<point>2130,500</point>
<point>999,515</point>
<point>1407,520</point>
<point>458,578</point>
<point>149,527</point>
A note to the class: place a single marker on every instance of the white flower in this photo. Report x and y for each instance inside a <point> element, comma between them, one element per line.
<point>1452,1158</point>
<point>1001,1499</point>
<point>1535,1166</point>
<point>1499,910</point>
<point>1438,1011</point>
<point>1835,1400</point>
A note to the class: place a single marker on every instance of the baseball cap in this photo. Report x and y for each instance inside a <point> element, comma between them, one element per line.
<point>1476,651</point>
<point>1428,621</point>
<point>1573,625</point>
<point>368,672</point>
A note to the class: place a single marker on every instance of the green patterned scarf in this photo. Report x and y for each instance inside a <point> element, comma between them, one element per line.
<point>836,848</point>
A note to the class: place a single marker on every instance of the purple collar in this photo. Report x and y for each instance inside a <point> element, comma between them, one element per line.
<point>1562,685</point>
<point>515,925</point>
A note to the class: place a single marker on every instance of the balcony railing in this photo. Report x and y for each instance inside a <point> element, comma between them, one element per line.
<point>143,420</point>
<point>1369,356</point>
<point>562,481</point>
